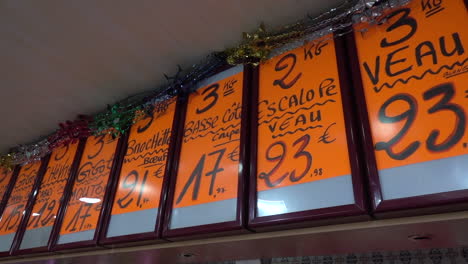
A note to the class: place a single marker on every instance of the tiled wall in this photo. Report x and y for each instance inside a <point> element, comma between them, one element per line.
<point>431,256</point>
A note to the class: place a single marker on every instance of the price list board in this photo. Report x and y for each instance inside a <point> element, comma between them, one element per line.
<point>35,235</point>
<point>304,152</point>
<point>138,200</point>
<point>206,195</point>
<point>80,224</point>
<point>413,74</point>
<point>27,181</point>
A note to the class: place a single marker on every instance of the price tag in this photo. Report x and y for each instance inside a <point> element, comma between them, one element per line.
<point>302,159</point>
<point>5,178</point>
<point>415,77</point>
<point>16,205</point>
<point>137,200</point>
<point>84,207</point>
<point>206,186</point>
<point>48,199</point>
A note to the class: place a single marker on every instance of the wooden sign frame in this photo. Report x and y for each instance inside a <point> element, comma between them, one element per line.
<point>415,205</point>
<point>40,174</point>
<point>106,203</point>
<point>148,237</point>
<point>67,192</point>
<point>9,188</point>
<point>226,228</point>
<point>323,216</point>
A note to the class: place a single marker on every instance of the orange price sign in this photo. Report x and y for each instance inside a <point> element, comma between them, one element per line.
<point>209,160</point>
<point>415,80</point>
<point>301,127</point>
<point>10,219</point>
<point>144,163</point>
<point>5,177</point>
<point>50,193</point>
<point>84,207</point>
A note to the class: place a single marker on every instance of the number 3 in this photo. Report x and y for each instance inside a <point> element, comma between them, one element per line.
<point>212,94</point>
<point>448,91</point>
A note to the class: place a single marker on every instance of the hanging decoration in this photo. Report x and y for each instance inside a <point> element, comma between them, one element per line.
<point>70,132</point>
<point>29,153</point>
<point>254,48</point>
<point>116,120</point>
<point>6,162</point>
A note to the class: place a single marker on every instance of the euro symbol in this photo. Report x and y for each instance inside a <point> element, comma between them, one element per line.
<point>159,173</point>
<point>234,155</point>
<point>324,138</point>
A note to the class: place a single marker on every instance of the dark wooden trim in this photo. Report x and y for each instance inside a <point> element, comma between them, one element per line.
<point>416,205</point>
<point>174,153</point>
<point>255,83</point>
<point>226,228</point>
<point>66,193</point>
<point>79,245</point>
<point>32,197</point>
<point>367,154</point>
<point>114,182</point>
<point>351,126</point>
<point>244,155</point>
<point>113,176</point>
<point>9,188</point>
<point>174,168</point>
<point>428,204</point>
<point>148,237</point>
<point>323,216</point>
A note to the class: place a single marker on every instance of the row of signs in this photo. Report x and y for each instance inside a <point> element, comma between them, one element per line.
<point>284,144</point>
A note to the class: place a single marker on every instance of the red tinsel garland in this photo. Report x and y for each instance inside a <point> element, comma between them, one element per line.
<point>70,132</point>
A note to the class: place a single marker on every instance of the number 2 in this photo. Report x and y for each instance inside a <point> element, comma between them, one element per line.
<point>409,115</point>
<point>280,65</point>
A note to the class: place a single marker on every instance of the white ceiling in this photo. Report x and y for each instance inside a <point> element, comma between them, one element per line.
<point>62,58</point>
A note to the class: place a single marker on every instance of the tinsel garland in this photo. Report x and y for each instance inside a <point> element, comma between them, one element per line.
<point>116,120</point>
<point>255,48</point>
<point>70,132</point>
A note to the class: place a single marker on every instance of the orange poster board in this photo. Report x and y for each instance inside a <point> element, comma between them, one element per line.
<point>10,219</point>
<point>415,77</point>
<point>301,127</point>
<point>50,193</point>
<point>144,163</point>
<point>209,160</point>
<point>5,177</point>
<point>84,207</point>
